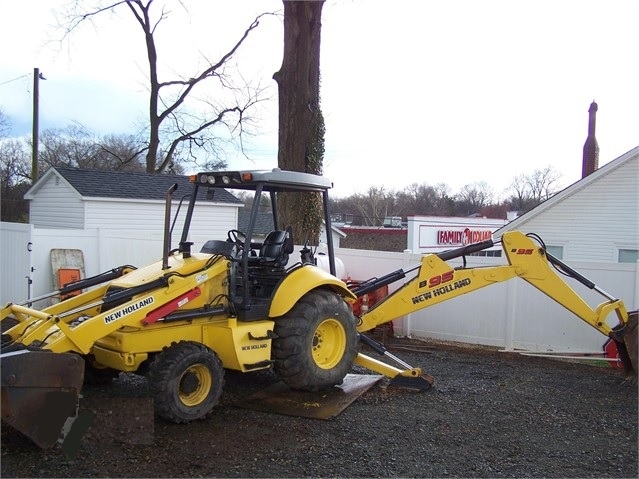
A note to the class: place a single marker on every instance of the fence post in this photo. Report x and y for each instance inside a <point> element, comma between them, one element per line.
<point>98,245</point>
<point>635,303</point>
<point>409,316</point>
<point>510,310</point>
<point>31,267</point>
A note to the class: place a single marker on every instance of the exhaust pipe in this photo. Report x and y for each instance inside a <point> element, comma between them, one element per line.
<point>167,231</point>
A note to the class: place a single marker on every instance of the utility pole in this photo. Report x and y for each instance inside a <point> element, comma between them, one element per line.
<point>36,108</point>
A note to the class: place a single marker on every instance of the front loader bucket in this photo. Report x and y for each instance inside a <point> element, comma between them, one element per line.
<point>627,339</point>
<point>40,391</point>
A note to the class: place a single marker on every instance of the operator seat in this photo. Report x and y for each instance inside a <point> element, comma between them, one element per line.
<point>276,247</point>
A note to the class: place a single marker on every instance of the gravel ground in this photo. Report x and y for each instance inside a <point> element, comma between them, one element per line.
<point>489,414</point>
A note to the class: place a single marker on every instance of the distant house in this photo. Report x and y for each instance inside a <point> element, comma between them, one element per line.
<point>595,219</point>
<point>72,198</point>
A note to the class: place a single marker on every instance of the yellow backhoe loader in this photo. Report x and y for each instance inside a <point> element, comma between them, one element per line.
<point>243,303</point>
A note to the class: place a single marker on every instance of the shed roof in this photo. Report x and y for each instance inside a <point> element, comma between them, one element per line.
<point>126,185</point>
<point>263,223</point>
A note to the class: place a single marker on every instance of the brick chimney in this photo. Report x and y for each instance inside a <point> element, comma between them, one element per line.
<point>591,149</point>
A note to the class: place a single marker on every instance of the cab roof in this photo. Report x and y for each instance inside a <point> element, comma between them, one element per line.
<point>270,180</point>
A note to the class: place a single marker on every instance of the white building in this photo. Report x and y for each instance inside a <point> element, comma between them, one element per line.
<point>595,219</point>
<point>73,198</point>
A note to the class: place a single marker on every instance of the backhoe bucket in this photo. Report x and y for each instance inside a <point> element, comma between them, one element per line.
<point>627,338</point>
<point>40,391</point>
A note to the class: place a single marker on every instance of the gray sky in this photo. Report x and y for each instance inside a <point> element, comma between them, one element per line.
<point>413,91</point>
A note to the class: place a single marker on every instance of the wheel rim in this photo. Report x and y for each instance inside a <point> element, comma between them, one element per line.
<point>195,385</point>
<point>329,342</point>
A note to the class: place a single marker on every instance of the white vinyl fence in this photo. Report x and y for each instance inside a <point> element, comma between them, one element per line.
<point>512,315</point>
<point>15,266</point>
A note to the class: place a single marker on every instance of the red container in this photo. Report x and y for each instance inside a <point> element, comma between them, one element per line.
<point>367,301</point>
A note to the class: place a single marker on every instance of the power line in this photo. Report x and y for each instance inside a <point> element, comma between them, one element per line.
<point>15,79</point>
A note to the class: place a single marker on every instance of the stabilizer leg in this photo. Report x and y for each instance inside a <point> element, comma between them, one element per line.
<point>627,338</point>
<point>409,377</point>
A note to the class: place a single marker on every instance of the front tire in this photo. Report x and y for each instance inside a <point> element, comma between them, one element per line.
<point>186,381</point>
<point>316,342</point>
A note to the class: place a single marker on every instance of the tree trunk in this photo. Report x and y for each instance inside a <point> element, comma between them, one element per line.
<point>301,124</point>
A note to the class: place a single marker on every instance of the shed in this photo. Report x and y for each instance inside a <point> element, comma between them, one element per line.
<point>83,199</point>
<point>595,219</point>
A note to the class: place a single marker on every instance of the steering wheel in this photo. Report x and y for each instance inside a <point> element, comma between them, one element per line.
<point>237,237</point>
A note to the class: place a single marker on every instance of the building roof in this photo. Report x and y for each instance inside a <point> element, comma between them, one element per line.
<point>127,185</point>
<point>570,190</point>
<point>263,223</point>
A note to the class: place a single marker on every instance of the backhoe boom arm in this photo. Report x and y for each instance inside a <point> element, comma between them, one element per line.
<point>436,281</point>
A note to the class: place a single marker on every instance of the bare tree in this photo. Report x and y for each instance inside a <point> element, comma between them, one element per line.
<point>375,205</point>
<point>520,199</point>
<point>75,146</point>
<point>119,152</point>
<point>177,131</point>
<point>301,123</point>
<point>15,180</point>
<point>15,164</point>
<point>473,197</point>
<point>423,199</point>
<point>543,183</point>
<point>529,190</point>
<point>445,200</point>
<point>72,146</point>
<point>5,127</point>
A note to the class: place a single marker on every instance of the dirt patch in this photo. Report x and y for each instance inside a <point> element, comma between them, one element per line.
<point>489,414</point>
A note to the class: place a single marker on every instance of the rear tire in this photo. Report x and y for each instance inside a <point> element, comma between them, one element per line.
<point>316,342</point>
<point>186,381</point>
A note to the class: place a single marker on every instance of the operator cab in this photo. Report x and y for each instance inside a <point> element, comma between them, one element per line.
<point>258,265</point>
<point>266,261</point>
